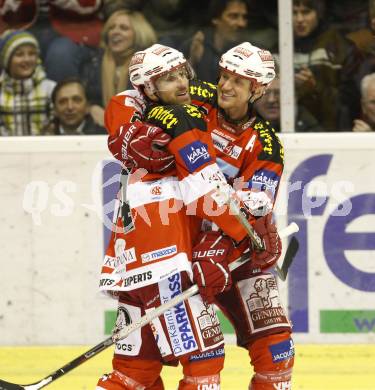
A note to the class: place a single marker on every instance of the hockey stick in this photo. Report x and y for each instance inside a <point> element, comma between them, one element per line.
<point>111,340</point>
<point>4,385</point>
<point>290,253</point>
<point>290,229</point>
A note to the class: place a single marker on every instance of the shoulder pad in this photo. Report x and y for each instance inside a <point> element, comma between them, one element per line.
<point>272,148</point>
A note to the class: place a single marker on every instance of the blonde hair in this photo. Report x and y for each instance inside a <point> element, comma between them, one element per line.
<point>144,36</point>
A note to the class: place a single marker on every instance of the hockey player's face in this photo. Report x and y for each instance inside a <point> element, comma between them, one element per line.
<point>305,21</point>
<point>173,87</point>
<point>23,62</point>
<point>233,94</point>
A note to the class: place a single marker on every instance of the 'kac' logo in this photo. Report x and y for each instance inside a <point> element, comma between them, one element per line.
<point>156,190</point>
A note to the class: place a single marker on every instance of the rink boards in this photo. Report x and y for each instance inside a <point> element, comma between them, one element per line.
<point>57,197</point>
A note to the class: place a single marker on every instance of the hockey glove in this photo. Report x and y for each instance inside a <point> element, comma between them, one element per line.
<point>210,268</point>
<point>267,231</point>
<point>140,145</point>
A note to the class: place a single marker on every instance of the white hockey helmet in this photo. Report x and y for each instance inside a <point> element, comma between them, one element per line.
<point>250,62</point>
<point>148,65</point>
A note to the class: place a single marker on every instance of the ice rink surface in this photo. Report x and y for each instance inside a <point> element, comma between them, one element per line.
<point>318,367</point>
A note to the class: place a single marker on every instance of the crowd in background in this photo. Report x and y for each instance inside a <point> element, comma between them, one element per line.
<point>62,60</point>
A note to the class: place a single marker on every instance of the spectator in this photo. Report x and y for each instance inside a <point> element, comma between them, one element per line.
<point>268,107</point>
<point>111,6</point>
<point>365,41</point>
<point>67,31</point>
<point>262,27</point>
<point>71,110</point>
<point>25,92</point>
<point>347,15</point>
<point>325,64</point>
<point>169,18</point>
<point>228,20</point>
<point>106,74</point>
<point>367,121</point>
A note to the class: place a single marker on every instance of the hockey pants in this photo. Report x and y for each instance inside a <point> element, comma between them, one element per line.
<point>131,374</point>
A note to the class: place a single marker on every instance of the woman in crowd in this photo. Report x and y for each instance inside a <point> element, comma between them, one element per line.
<point>124,33</point>
<point>25,91</point>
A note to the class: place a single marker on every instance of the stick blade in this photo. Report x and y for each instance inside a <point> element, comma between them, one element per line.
<point>288,258</point>
<point>10,386</point>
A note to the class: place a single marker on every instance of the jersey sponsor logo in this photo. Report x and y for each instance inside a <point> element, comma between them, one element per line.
<point>219,142</point>
<point>264,180</point>
<point>195,155</point>
<point>223,135</point>
<point>128,256</point>
<point>208,253</point>
<point>123,256</point>
<point>123,347</point>
<point>137,278</point>
<point>159,335</point>
<point>127,137</point>
<point>286,385</point>
<point>272,147</point>
<point>159,254</point>
<point>264,304</point>
<point>127,315</point>
<point>197,90</point>
<point>106,282</point>
<point>123,317</point>
<point>177,321</point>
<point>163,115</point>
<point>209,326</point>
<point>207,355</point>
<point>282,351</point>
<point>233,151</point>
<point>192,111</point>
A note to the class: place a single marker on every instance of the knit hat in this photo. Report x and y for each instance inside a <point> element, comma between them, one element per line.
<point>10,41</point>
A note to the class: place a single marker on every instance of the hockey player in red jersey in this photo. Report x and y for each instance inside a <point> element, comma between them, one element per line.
<point>247,150</point>
<point>148,258</point>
